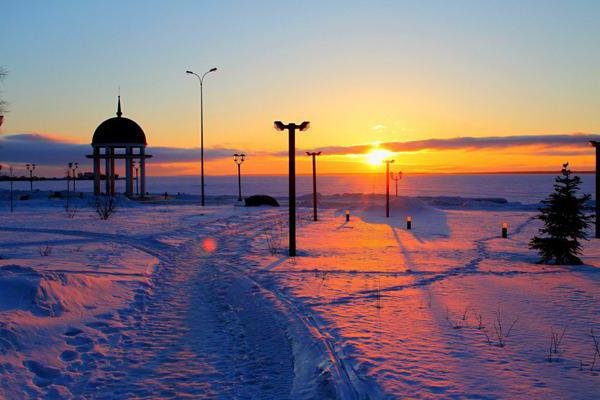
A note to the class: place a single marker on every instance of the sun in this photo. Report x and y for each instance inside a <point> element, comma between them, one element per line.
<point>377,156</point>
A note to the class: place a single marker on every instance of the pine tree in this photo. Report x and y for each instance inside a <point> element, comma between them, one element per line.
<point>565,222</point>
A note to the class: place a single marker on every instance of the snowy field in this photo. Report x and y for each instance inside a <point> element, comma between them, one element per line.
<point>170,300</point>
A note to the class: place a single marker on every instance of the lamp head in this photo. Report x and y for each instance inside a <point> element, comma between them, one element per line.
<point>304,126</point>
<point>279,125</point>
<point>212,70</point>
<point>188,72</point>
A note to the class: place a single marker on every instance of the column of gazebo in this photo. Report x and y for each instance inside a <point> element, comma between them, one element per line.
<point>112,172</point>
<point>96,171</point>
<point>142,172</point>
<point>107,170</point>
<point>128,172</point>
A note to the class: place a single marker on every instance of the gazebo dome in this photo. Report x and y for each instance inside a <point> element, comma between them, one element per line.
<point>119,130</point>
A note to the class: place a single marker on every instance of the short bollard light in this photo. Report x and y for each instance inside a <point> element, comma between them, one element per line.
<point>409,223</point>
<point>347,215</point>
<point>504,230</point>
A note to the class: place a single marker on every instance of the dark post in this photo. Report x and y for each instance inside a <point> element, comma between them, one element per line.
<point>387,187</point>
<point>347,215</point>
<point>239,159</point>
<point>314,172</point>
<point>409,223</point>
<point>291,128</point>
<point>504,230</point>
<point>597,146</point>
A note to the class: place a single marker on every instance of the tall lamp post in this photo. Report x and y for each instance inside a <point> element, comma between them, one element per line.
<point>30,168</point>
<point>396,177</point>
<point>201,80</point>
<point>387,187</point>
<point>291,128</point>
<point>239,159</point>
<point>314,173</point>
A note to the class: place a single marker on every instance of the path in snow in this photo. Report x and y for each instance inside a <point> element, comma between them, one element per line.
<point>203,328</point>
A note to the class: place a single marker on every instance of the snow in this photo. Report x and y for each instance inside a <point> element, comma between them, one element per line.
<point>171,300</point>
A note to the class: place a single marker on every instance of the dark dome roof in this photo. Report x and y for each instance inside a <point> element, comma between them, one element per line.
<point>119,130</point>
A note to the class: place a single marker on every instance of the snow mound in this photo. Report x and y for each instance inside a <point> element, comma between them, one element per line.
<point>41,293</point>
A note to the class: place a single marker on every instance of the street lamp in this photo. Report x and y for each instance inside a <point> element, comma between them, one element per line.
<point>239,159</point>
<point>396,177</point>
<point>201,80</point>
<point>291,128</point>
<point>314,171</point>
<point>30,168</point>
<point>74,167</point>
<point>387,187</point>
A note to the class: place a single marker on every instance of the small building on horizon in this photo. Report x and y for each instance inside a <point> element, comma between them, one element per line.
<point>114,139</point>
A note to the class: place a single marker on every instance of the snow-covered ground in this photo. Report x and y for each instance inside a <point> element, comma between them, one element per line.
<point>171,300</point>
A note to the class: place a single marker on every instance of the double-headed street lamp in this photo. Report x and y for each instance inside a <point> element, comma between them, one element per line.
<point>387,187</point>
<point>314,171</point>
<point>30,168</point>
<point>291,128</point>
<point>201,80</point>
<point>239,159</point>
<point>72,168</point>
<point>396,177</point>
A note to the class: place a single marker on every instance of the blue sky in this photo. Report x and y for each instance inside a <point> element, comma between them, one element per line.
<point>362,71</point>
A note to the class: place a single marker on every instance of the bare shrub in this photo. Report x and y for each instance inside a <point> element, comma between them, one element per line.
<point>71,211</point>
<point>555,341</point>
<point>274,237</point>
<point>480,325</point>
<point>596,348</point>
<point>455,323</point>
<point>45,251</point>
<point>106,206</point>
<point>500,331</point>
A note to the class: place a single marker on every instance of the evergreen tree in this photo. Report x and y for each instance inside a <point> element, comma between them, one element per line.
<point>565,222</point>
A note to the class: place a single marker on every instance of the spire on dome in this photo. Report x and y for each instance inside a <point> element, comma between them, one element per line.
<point>119,113</point>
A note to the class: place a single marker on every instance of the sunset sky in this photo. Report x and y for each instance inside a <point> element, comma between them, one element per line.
<point>363,72</point>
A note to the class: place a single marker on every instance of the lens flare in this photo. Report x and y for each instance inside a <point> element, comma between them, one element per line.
<point>209,245</point>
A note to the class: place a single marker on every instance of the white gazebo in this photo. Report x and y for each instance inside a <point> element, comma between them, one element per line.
<point>119,138</point>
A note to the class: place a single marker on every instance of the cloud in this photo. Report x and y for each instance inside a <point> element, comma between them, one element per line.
<point>55,152</point>
<point>48,150</point>
<point>472,143</point>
